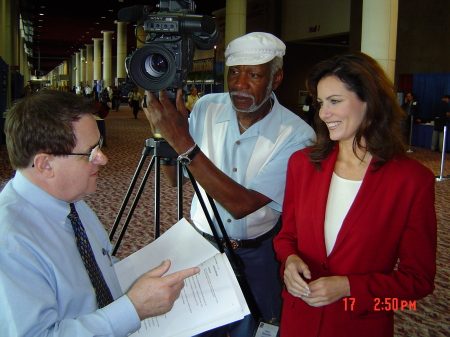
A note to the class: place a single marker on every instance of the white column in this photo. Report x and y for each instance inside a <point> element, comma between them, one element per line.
<point>6,42</point>
<point>235,24</point>
<point>77,69</point>
<point>23,61</point>
<point>107,57</point>
<point>121,49</point>
<point>73,72</point>
<point>97,58</point>
<point>236,19</point>
<point>65,72</point>
<point>60,73</point>
<point>83,66</point>
<point>4,12</point>
<point>89,64</point>
<point>379,32</point>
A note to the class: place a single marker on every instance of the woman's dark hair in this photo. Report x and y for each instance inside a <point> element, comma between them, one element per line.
<point>381,127</point>
<point>42,122</point>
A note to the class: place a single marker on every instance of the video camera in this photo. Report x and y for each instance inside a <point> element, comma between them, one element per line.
<point>166,59</point>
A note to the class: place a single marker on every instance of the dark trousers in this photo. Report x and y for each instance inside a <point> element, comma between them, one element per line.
<point>135,108</point>
<point>116,103</point>
<point>262,271</point>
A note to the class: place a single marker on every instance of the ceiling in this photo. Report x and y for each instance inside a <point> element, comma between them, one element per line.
<point>67,26</point>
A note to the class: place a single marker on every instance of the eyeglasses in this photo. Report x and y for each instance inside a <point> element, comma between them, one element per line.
<point>92,155</point>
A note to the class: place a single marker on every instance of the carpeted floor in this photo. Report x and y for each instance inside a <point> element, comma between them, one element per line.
<point>126,139</point>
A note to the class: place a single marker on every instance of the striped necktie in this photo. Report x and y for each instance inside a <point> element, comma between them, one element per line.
<point>102,291</point>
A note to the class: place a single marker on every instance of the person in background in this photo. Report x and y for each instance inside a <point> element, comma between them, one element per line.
<point>116,98</point>
<point>110,91</point>
<point>441,114</point>
<point>135,99</point>
<point>104,96</point>
<point>236,145</point>
<point>27,90</point>
<point>56,275</point>
<point>192,99</point>
<point>359,221</point>
<point>88,91</point>
<point>411,109</point>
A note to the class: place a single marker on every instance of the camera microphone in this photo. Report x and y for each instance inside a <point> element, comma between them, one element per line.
<point>131,14</point>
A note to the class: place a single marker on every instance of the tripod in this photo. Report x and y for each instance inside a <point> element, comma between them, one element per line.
<point>160,149</point>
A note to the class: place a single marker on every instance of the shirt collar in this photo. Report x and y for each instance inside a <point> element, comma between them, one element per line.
<point>266,127</point>
<point>54,208</point>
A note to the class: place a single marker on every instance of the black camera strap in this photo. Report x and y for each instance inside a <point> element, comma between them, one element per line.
<point>235,262</point>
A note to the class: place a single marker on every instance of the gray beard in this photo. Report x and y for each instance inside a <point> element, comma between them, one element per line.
<point>253,107</point>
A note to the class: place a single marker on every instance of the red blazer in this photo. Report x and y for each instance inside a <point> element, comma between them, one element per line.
<point>392,218</point>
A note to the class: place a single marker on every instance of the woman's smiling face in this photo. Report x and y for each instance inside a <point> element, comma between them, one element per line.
<point>340,109</point>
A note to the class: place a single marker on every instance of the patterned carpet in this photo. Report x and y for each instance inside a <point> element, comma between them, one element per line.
<point>126,139</point>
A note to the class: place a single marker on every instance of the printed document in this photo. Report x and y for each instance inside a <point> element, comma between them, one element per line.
<point>210,299</point>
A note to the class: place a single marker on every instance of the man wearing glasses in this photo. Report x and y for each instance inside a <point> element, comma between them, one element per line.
<point>56,275</point>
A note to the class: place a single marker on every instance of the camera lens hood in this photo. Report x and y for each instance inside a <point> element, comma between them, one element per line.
<point>152,67</point>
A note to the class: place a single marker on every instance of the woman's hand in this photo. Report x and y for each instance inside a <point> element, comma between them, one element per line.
<point>326,290</point>
<point>295,284</point>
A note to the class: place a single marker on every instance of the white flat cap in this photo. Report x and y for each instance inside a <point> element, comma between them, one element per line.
<point>253,49</point>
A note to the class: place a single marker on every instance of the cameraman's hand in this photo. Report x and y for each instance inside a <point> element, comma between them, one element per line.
<point>171,123</point>
<point>154,295</point>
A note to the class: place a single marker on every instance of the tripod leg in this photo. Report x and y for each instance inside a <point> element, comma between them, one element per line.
<point>157,197</point>
<point>133,206</point>
<point>127,195</point>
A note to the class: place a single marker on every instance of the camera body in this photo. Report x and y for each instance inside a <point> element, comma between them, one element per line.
<point>166,58</point>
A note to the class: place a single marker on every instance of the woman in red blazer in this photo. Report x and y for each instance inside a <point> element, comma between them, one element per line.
<point>359,225</point>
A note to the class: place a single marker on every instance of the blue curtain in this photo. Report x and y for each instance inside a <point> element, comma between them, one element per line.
<point>428,90</point>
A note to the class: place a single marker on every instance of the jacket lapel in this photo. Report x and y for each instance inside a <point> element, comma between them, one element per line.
<point>320,197</point>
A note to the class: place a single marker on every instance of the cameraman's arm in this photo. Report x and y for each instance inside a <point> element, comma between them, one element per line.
<point>172,124</point>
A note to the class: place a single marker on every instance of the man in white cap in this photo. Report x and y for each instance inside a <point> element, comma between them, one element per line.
<point>246,138</point>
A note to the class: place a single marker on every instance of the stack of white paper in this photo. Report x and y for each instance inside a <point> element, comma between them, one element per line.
<point>209,299</point>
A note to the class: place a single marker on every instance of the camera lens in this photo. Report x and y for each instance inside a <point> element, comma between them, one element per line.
<point>156,65</point>
<point>152,67</point>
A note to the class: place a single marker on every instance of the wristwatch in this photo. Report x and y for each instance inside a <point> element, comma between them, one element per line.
<point>187,157</point>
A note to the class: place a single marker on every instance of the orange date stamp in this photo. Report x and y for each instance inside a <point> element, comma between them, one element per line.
<point>383,304</point>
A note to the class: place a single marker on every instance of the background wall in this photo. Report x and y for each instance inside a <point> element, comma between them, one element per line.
<point>423,35</point>
<point>313,19</point>
<point>423,43</point>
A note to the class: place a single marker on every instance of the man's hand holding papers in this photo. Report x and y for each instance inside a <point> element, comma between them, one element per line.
<point>160,296</point>
<point>209,299</point>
